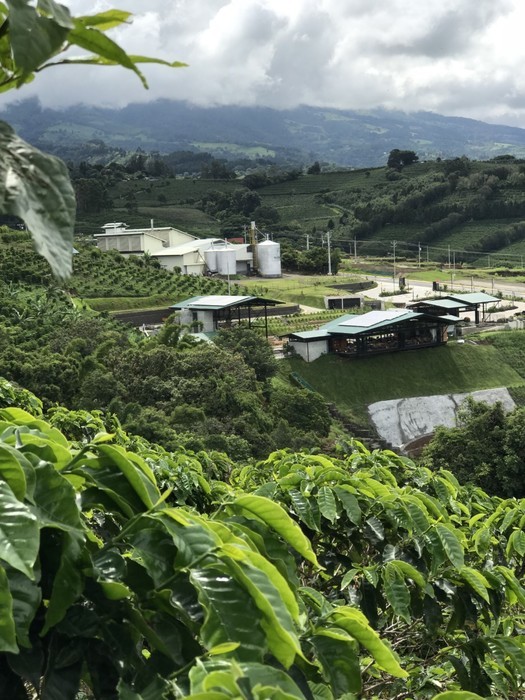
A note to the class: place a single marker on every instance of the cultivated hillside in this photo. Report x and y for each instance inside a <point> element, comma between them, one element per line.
<point>468,211</point>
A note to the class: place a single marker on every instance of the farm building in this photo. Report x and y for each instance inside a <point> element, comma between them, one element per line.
<point>137,241</point>
<point>175,249</point>
<point>455,304</point>
<point>211,313</point>
<point>207,255</point>
<point>372,333</point>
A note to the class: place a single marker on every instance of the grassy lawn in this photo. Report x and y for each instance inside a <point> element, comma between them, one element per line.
<point>299,289</point>
<point>353,384</point>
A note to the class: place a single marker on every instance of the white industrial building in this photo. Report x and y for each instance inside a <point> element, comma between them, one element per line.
<point>178,250</point>
<point>137,241</point>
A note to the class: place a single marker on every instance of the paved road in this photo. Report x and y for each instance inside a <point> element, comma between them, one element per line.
<point>462,284</point>
<point>419,290</point>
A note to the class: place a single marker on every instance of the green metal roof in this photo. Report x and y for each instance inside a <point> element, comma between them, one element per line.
<point>310,335</point>
<point>440,303</point>
<point>474,298</point>
<point>449,317</point>
<point>358,324</point>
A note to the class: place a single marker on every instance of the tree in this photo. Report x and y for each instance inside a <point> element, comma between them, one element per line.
<point>398,159</point>
<point>314,169</point>
<point>486,448</point>
<point>255,352</point>
<point>35,186</point>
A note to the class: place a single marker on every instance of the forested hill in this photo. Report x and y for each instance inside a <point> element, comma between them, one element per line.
<point>349,138</point>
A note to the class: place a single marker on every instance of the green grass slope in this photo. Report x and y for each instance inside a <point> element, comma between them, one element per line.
<point>353,384</point>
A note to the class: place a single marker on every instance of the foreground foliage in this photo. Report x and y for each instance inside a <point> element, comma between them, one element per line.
<point>131,572</point>
<point>35,186</point>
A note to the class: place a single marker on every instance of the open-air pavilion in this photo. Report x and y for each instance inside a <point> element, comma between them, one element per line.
<point>373,333</point>
<point>456,304</point>
<point>210,313</point>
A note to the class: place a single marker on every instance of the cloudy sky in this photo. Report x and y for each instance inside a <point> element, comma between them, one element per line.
<point>455,57</point>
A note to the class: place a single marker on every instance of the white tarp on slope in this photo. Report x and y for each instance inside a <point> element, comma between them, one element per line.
<point>400,421</point>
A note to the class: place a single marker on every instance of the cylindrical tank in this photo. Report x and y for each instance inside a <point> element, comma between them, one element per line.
<point>269,259</point>
<point>210,256</point>
<point>226,261</point>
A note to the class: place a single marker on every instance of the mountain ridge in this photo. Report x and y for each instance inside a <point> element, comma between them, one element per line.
<point>347,138</point>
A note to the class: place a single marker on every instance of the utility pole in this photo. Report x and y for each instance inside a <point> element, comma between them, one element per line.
<point>394,243</point>
<point>329,253</point>
<point>454,263</point>
<point>355,250</point>
<point>307,241</point>
<point>427,255</point>
<point>419,254</point>
<point>449,257</point>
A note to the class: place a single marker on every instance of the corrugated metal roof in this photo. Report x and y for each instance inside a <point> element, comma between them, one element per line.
<point>345,328</point>
<point>474,298</point>
<point>440,303</point>
<point>311,335</point>
<point>449,317</point>
<point>221,301</point>
<point>189,247</point>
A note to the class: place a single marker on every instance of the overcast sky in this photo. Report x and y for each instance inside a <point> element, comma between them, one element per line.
<point>454,57</point>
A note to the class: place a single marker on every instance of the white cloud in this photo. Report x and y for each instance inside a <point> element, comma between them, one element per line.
<point>450,56</point>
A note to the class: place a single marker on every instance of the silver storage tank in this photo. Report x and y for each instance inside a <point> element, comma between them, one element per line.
<point>226,261</point>
<point>210,256</point>
<point>269,259</point>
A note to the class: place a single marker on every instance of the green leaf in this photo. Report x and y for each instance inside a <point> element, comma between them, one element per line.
<point>19,533</point>
<point>278,519</point>
<point>67,584</point>
<point>512,582</point>
<point>339,662</point>
<point>231,614</point>
<point>457,695</point>
<point>410,571</point>
<point>348,578</point>
<point>225,648</point>
<point>349,503</point>
<point>12,472</point>
<point>374,529</point>
<point>7,622</point>
<point>55,501</point>
<point>154,549</point>
<point>37,189</point>
<point>420,519</point>
<point>326,503</point>
<point>59,13</point>
<point>302,507</point>
<point>451,545</point>
<point>276,622</point>
<point>104,20</point>
<point>396,591</point>
<point>193,537</point>
<point>99,44</point>
<point>516,543</point>
<point>355,623</point>
<point>476,581</point>
<point>34,39</point>
<point>27,596</point>
<point>136,471</point>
